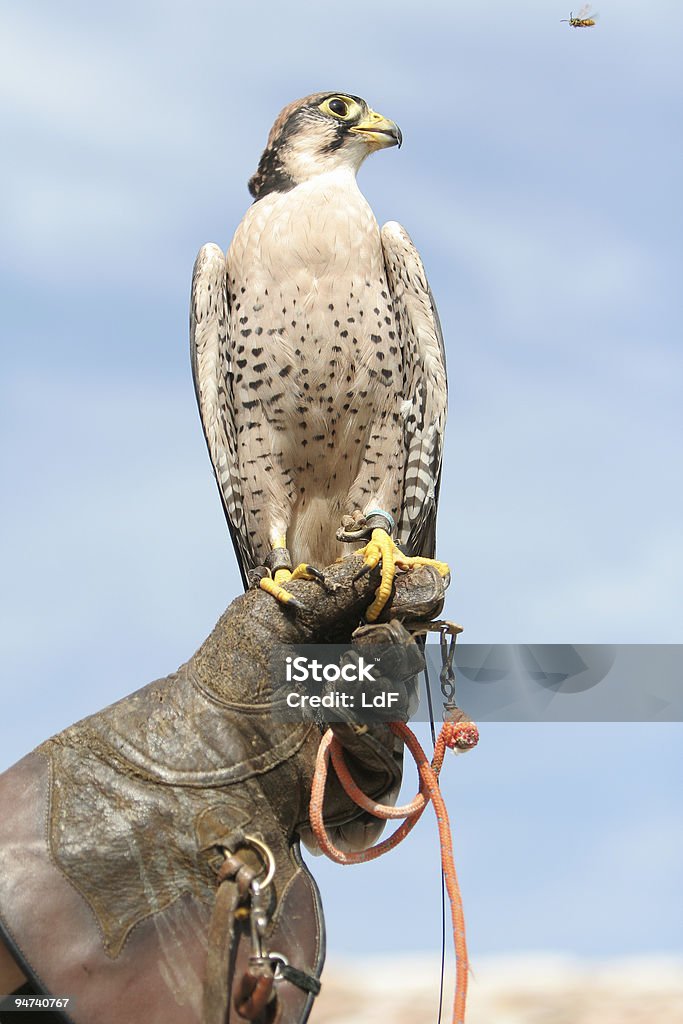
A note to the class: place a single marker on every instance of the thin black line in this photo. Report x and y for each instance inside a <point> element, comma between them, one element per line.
<point>443,894</point>
<point>429,695</point>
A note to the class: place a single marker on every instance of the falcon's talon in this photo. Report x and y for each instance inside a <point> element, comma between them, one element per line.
<point>275,586</point>
<point>363,572</point>
<point>280,594</point>
<point>320,578</point>
<point>307,572</point>
<point>382,548</point>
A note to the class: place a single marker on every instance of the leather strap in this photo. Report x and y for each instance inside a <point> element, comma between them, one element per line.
<point>301,979</point>
<point>215,995</point>
<point>255,989</point>
<point>234,879</point>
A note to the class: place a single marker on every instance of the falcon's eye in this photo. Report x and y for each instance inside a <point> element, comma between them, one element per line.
<point>338,107</point>
<point>341,107</point>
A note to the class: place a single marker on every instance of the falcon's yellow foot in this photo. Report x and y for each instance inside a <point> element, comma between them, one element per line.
<point>275,586</point>
<point>278,592</point>
<point>381,548</point>
<point>304,571</point>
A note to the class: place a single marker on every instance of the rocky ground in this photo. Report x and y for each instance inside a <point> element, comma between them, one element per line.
<point>521,990</point>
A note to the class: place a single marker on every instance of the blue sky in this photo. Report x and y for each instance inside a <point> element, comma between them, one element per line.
<point>540,178</point>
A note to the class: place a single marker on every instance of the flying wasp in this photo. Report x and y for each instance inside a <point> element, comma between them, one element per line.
<point>584,19</point>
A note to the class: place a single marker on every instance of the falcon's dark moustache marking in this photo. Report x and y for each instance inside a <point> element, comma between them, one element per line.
<point>270,176</point>
<point>337,142</point>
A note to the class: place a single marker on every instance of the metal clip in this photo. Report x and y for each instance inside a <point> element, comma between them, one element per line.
<point>254,899</point>
<point>267,858</point>
<point>447,674</point>
<point>418,627</point>
<point>278,961</point>
<point>259,919</point>
<point>259,915</point>
<point>445,630</point>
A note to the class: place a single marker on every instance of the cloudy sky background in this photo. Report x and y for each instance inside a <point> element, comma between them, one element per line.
<point>540,178</point>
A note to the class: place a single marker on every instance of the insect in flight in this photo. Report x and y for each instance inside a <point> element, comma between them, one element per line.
<point>584,19</point>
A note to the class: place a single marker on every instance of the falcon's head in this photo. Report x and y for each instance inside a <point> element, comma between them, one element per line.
<point>317,134</point>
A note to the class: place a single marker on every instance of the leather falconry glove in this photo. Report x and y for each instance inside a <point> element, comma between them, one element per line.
<point>136,846</point>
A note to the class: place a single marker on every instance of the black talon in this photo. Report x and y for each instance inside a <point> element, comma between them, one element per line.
<point>315,573</point>
<point>363,572</point>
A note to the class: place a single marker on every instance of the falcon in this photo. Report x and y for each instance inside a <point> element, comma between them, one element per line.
<point>319,364</point>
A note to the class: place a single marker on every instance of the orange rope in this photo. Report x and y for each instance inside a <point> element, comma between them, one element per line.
<point>462,735</point>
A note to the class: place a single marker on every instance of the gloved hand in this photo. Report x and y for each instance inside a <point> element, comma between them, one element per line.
<point>125,813</point>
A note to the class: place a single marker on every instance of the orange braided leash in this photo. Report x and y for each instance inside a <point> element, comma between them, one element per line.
<point>461,735</point>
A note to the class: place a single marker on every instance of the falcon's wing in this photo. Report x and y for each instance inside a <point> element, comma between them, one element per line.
<point>211,354</point>
<point>424,408</point>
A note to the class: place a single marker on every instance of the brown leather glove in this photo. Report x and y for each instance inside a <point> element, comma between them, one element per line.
<point>114,834</point>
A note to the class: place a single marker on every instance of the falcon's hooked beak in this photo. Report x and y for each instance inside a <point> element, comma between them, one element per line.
<point>379,131</point>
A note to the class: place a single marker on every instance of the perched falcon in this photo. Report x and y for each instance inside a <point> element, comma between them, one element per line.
<point>318,361</point>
